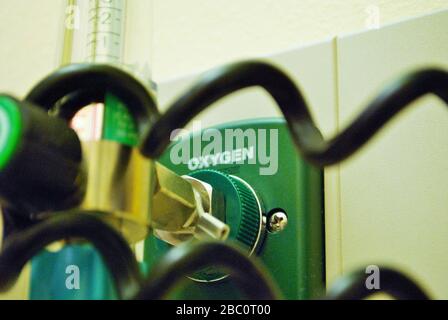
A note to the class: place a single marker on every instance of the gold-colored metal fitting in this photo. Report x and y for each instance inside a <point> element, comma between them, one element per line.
<point>119,181</point>
<point>181,209</point>
<point>134,194</point>
<point>174,203</point>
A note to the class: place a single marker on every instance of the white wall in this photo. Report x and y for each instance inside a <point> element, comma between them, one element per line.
<point>192,35</point>
<point>30,33</point>
<point>30,45</point>
<point>393,193</point>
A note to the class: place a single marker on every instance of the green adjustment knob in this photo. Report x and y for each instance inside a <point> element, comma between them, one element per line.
<point>235,203</point>
<point>40,159</point>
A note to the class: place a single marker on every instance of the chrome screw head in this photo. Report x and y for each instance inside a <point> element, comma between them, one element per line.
<point>277,221</point>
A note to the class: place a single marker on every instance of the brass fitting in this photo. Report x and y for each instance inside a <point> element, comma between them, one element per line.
<point>119,181</point>
<point>181,209</point>
<point>174,202</point>
<point>134,194</point>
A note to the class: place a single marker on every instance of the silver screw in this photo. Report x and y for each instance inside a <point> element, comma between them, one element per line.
<point>277,221</point>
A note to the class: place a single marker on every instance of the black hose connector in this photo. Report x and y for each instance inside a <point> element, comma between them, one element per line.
<point>72,87</point>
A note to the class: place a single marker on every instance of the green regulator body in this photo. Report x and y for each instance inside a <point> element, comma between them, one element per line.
<point>255,173</point>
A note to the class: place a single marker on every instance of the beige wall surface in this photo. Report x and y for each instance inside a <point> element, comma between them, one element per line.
<point>192,35</point>
<point>195,34</point>
<point>394,192</point>
<point>30,34</point>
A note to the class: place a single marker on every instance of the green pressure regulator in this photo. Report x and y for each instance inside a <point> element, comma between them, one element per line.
<point>40,159</point>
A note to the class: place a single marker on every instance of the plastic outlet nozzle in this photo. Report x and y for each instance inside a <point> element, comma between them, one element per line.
<point>40,159</point>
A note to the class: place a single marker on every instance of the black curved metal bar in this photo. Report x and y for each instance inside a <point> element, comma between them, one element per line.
<point>223,81</point>
<point>186,259</point>
<point>19,248</point>
<point>69,105</point>
<point>78,85</point>
<point>392,282</point>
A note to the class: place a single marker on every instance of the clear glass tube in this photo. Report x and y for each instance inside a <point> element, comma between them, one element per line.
<point>117,32</point>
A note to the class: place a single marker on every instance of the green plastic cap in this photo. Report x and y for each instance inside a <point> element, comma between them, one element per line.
<point>10,129</point>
